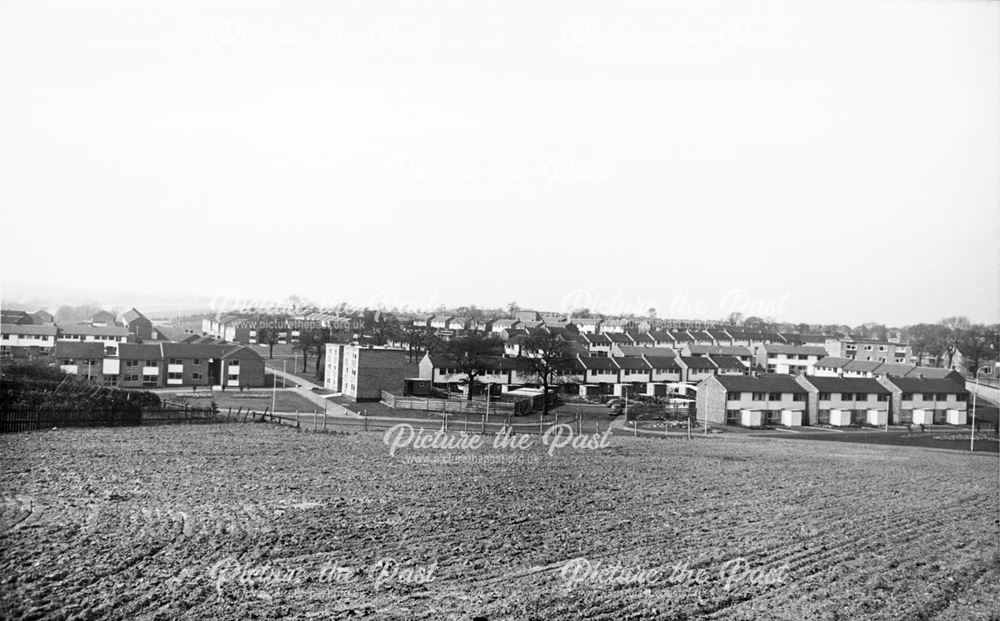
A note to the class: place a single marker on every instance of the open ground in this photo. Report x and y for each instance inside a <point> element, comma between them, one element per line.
<point>236,521</point>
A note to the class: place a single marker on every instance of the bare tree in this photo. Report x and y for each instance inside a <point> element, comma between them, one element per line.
<point>469,353</point>
<point>268,335</point>
<point>550,356</point>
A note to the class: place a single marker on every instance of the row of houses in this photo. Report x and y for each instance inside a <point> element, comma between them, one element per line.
<point>161,365</point>
<point>833,366</point>
<point>839,401</point>
<point>36,335</point>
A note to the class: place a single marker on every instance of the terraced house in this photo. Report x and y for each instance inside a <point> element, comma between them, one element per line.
<point>753,401</point>
<point>162,365</point>
<point>108,336</point>
<point>27,341</point>
<point>927,401</point>
<point>81,359</point>
<point>842,401</point>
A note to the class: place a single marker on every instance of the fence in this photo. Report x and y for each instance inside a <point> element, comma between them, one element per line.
<point>23,419</point>
<point>457,406</point>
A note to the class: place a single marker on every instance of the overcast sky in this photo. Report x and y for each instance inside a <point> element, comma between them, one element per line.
<point>809,162</point>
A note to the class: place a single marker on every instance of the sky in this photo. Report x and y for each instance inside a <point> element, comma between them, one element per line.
<point>816,162</point>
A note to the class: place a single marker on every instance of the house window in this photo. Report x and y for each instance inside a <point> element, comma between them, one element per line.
<point>732,417</point>
<point>824,396</point>
<point>868,347</point>
<point>152,363</point>
<point>175,361</point>
<point>196,361</point>
<point>131,363</point>
<point>196,376</point>
<point>798,396</point>
<point>234,378</point>
<point>774,396</point>
<point>131,378</point>
<point>234,363</point>
<point>861,396</point>
<point>883,348</point>
<point>907,396</point>
<point>942,397</point>
<point>883,397</point>
<point>759,396</point>
<point>961,398</point>
<point>175,376</point>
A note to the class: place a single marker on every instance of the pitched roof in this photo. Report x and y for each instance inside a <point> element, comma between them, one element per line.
<point>189,350</point>
<point>848,384</point>
<point>597,339</point>
<point>802,339</point>
<point>666,363</point>
<point>938,385</point>
<point>697,362</point>
<point>132,314</point>
<point>638,350</point>
<point>660,336</point>
<point>631,362</point>
<point>865,366</point>
<point>42,316</point>
<point>145,351</point>
<point>893,368</point>
<point>598,363</point>
<point>767,383</point>
<point>727,362</point>
<point>74,349</point>
<point>639,337</point>
<point>15,316</point>
<point>102,316</point>
<point>831,362</point>
<point>698,349</point>
<point>618,337</point>
<point>931,372</point>
<point>784,348</point>
<point>26,329</point>
<point>89,330</point>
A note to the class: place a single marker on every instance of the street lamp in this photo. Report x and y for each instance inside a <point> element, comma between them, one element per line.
<point>972,430</point>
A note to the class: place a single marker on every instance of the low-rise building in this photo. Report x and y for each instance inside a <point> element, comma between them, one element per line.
<point>788,359</point>
<point>597,344</point>
<point>875,350</point>
<point>927,401</point>
<point>110,336</point>
<point>695,369</point>
<point>848,401</point>
<point>82,359</point>
<point>753,401</point>
<point>27,341</point>
<point>137,324</point>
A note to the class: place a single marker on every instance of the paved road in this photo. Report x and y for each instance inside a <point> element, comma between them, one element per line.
<point>305,390</point>
<point>989,394</point>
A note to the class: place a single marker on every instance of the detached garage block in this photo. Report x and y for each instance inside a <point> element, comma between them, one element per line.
<point>840,418</point>
<point>878,418</point>
<point>957,417</point>
<point>791,418</point>
<point>751,418</point>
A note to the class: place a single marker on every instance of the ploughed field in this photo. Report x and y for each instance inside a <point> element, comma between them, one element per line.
<point>247,521</point>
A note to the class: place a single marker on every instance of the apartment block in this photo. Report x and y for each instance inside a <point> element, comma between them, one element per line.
<point>361,373</point>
